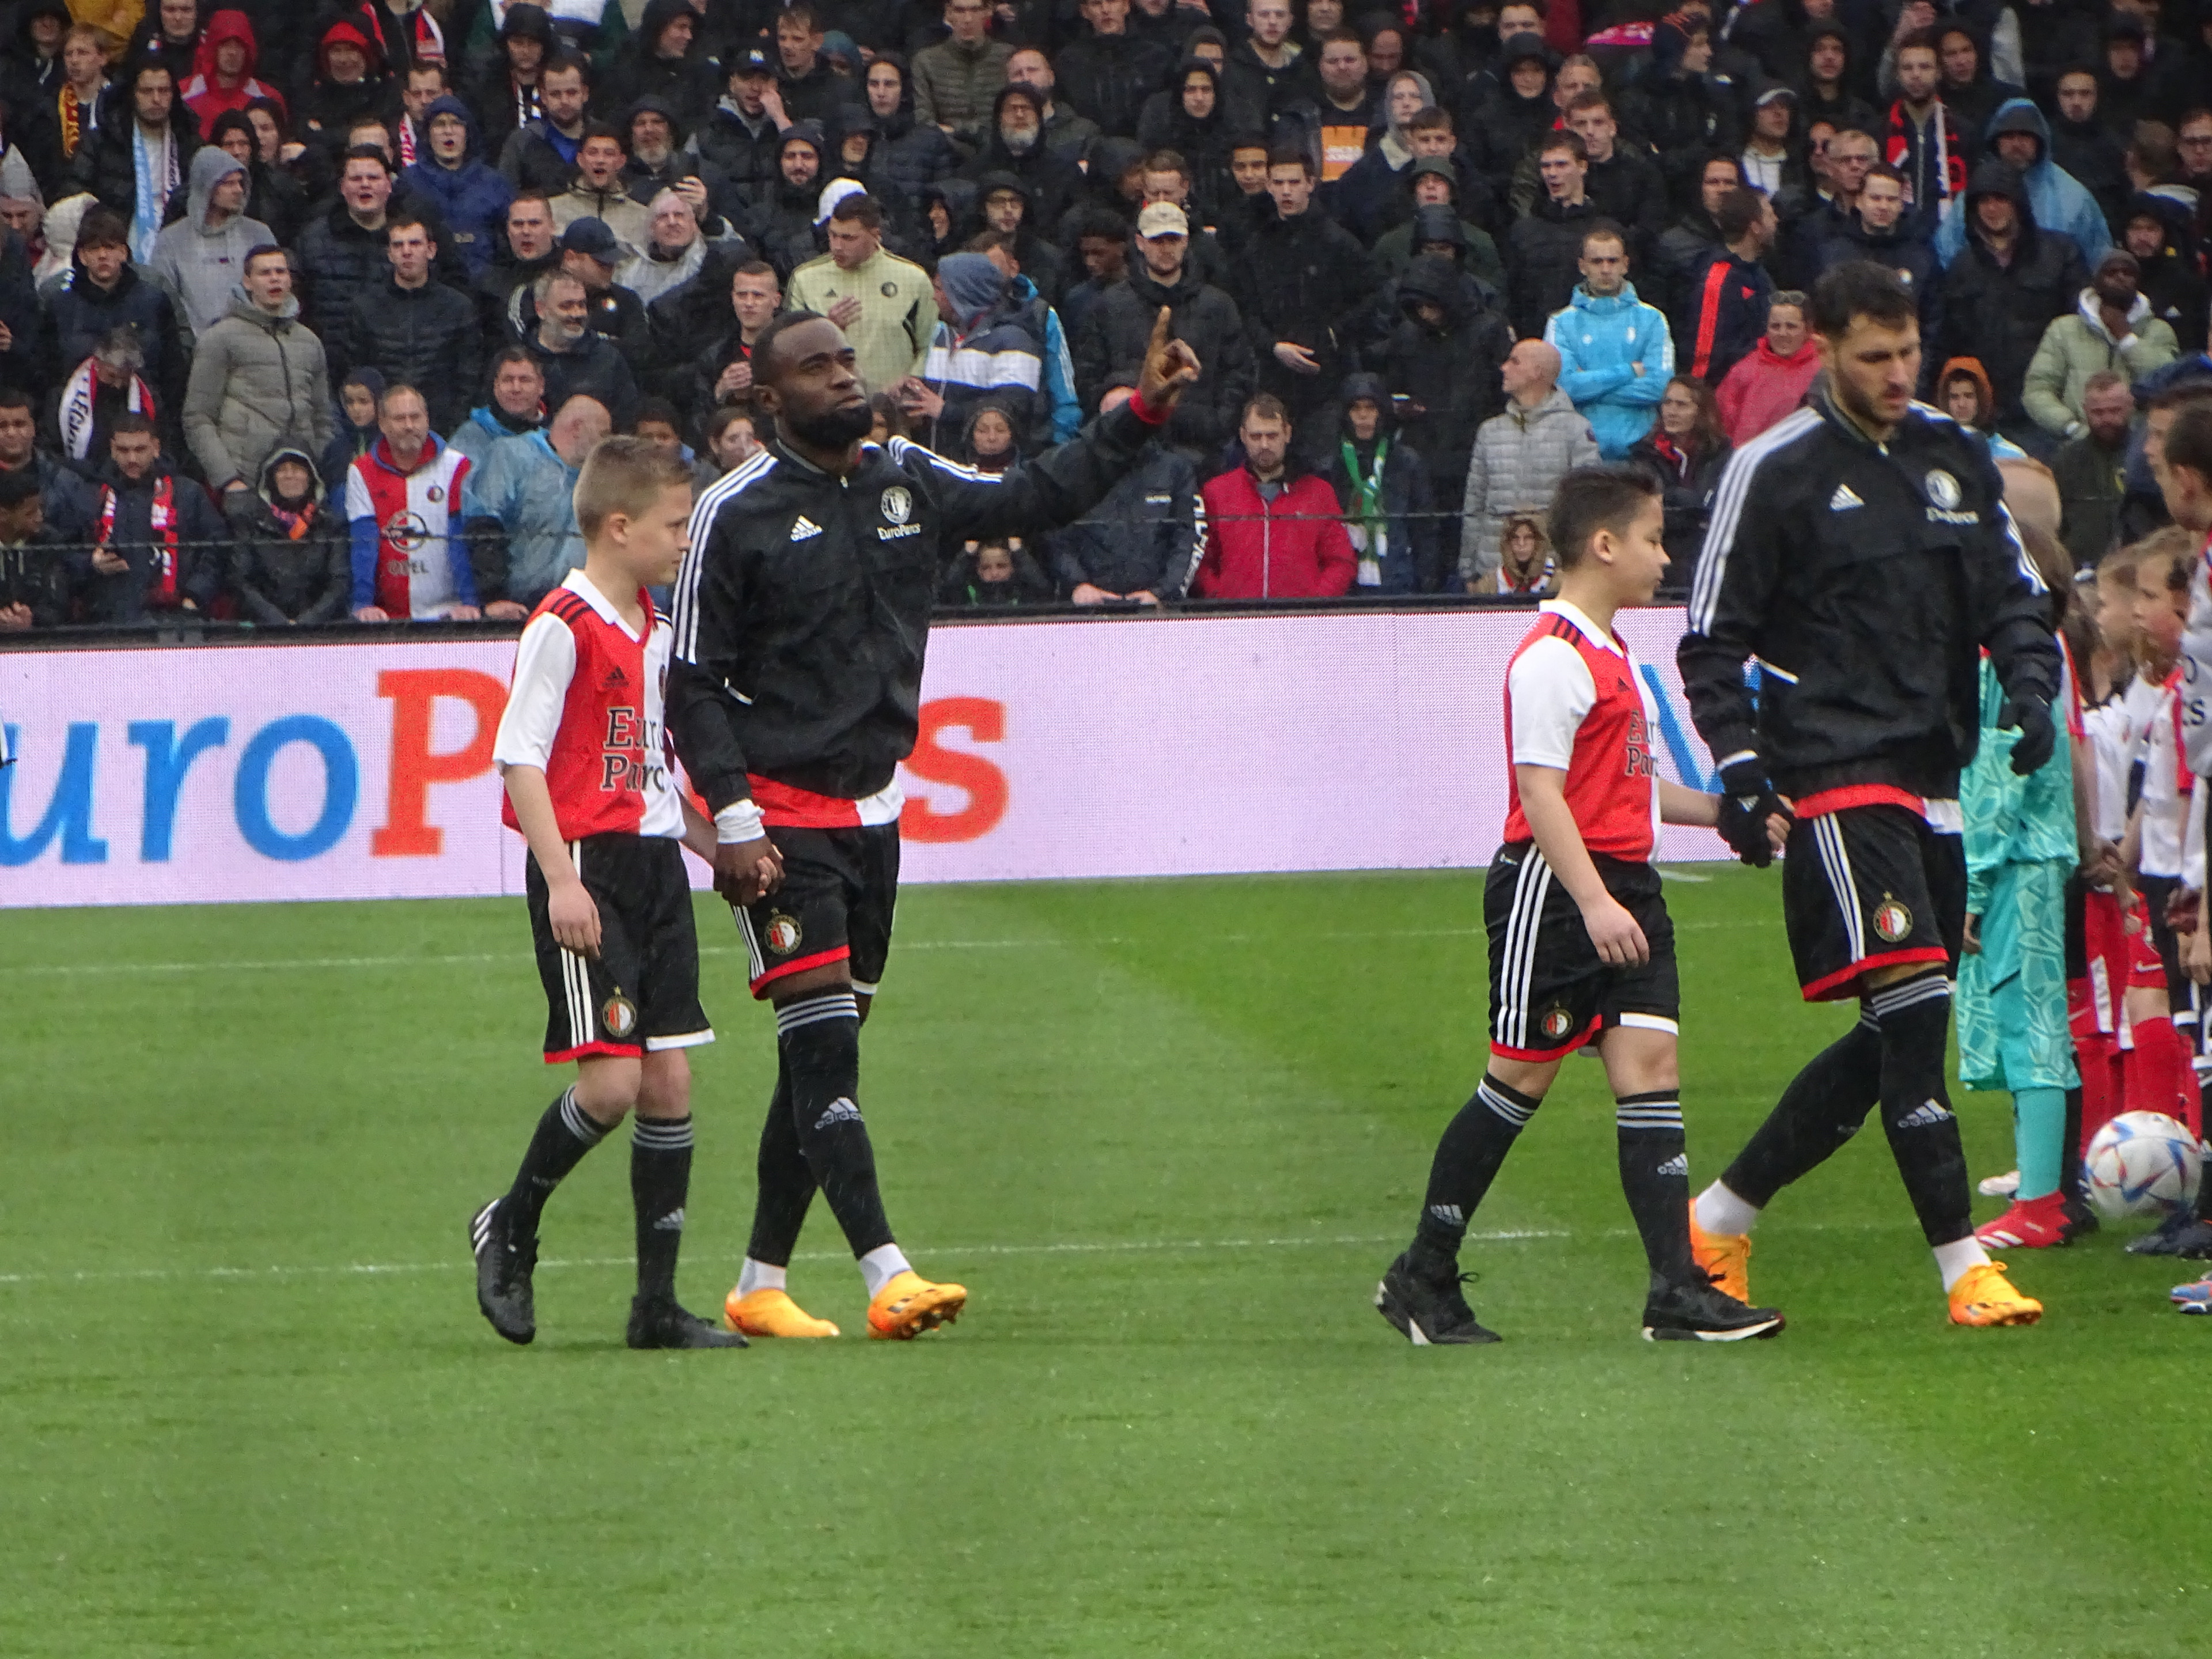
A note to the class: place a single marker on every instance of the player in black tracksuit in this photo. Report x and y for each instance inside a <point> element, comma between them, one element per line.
<point>801,616</point>
<point>1861,552</point>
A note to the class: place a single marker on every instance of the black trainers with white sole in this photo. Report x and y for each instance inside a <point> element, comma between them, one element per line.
<point>1428,1307</point>
<point>503,1270</point>
<point>1704,1313</point>
<point>657,1322</point>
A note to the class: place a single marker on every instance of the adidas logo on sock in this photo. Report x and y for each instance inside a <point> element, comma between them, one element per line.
<point>1677,1166</point>
<point>803,526</point>
<point>1844,500</point>
<point>1926,1117</point>
<point>841,1110</point>
<point>1449,1214</point>
<point>670,1223</point>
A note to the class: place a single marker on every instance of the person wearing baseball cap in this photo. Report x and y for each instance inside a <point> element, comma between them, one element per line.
<point>739,140</point>
<point>589,252</point>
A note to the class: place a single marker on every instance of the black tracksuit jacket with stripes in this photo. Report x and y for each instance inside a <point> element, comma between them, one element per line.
<point>802,609</point>
<point>1865,579</point>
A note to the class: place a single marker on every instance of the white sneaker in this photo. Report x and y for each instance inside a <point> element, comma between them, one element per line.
<point>2003,1186</point>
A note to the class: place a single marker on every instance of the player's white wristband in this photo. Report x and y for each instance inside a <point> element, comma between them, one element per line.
<point>739,821</point>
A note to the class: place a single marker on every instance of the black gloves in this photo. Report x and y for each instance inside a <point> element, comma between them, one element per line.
<point>2038,736</point>
<point>1747,801</point>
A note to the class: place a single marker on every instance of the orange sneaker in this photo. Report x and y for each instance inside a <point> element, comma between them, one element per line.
<point>768,1312</point>
<point>1984,1296</point>
<point>1725,1256</point>
<point>909,1305</point>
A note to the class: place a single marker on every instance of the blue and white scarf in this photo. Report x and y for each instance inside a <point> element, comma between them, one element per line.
<point>154,177</point>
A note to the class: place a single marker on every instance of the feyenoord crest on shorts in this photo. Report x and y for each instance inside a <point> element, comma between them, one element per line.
<point>1892,920</point>
<point>783,934</point>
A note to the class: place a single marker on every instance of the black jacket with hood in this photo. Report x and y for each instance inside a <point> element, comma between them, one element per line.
<point>1405,562</point>
<point>1109,349</point>
<point>1165,125</point>
<point>1997,312</point>
<point>280,579</point>
<point>688,83</point>
<point>1054,185</point>
<point>1449,376</point>
<point>1109,77</point>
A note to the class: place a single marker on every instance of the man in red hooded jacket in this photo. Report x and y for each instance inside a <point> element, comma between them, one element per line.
<point>223,78</point>
<point>1270,535</point>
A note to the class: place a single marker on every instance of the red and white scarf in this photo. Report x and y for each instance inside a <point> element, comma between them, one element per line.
<point>78,406</point>
<point>161,522</point>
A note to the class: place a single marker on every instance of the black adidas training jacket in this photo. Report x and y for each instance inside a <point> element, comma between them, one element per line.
<point>1865,579</point>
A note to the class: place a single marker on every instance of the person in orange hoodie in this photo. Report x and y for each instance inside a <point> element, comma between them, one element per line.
<point>222,78</point>
<point>1271,533</point>
<point>1773,381</point>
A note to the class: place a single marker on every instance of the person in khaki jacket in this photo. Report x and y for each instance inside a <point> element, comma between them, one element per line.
<point>955,80</point>
<point>2113,327</point>
<point>884,303</point>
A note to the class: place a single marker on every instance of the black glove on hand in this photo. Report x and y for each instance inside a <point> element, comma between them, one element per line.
<point>2037,735</point>
<point>1747,801</point>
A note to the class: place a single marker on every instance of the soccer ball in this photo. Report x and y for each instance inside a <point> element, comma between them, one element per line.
<point>2141,1164</point>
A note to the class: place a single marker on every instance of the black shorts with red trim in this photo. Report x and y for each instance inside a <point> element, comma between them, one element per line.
<point>641,992</point>
<point>1867,887</point>
<point>840,887</point>
<point>1550,991</point>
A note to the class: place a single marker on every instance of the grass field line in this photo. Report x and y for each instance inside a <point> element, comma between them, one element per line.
<point>480,958</point>
<point>1102,1247</point>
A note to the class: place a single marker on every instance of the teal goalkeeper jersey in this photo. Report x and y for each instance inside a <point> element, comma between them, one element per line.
<point>2011,819</point>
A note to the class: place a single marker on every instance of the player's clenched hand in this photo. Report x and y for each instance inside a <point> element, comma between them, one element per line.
<point>1170,365</point>
<point>2037,735</point>
<point>746,871</point>
<point>576,918</point>
<point>2196,955</point>
<point>1620,942</point>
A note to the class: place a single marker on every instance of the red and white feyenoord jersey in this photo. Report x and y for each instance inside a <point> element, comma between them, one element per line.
<point>414,513</point>
<point>586,707</point>
<point>1573,701</point>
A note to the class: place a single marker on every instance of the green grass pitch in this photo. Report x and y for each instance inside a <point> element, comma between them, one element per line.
<point>1167,1133</point>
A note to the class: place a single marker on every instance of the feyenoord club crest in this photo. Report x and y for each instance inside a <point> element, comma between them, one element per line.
<point>783,934</point>
<point>897,504</point>
<point>619,1016</point>
<point>1556,1023</point>
<point>1892,919</point>
<point>1943,490</point>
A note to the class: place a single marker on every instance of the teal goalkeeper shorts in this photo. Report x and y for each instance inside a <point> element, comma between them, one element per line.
<point>2013,1031</point>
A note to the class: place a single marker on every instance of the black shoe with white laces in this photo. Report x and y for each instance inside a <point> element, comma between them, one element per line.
<point>1704,1312</point>
<point>2183,1234</point>
<point>503,1270</point>
<point>657,1322</point>
<point>1426,1306</point>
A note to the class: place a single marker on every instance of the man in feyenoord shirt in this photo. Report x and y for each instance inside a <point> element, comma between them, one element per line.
<point>801,616</point>
<point>1580,947</point>
<point>401,500</point>
<point>589,785</point>
<point>1861,552</point>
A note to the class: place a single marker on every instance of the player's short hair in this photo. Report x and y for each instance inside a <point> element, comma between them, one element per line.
<point>756,268</point>
<point>1337,37</point>
<point>988,241</point>
<point>399,389</point>
<point>531,194</point>
<point>1595,498</point>
<point>1265,407</point>
<point>1246,140</point>
<point>131,421</point>
<point>427,66</point>
<point>1738,212</point>
<point>764,355</point>
<point>1918,41</point>
<point>606,130</point>
<point>1572,143</point>
<point>860,208</point>
<point>802,15</point>
<point>1286,155</point>
<point>1602,229</point>
<point>2189,441</point>
<point>725,415</point>
<point>2187,395</point>
<point>1857,288</point>
<point>656,409</point>
<point>624,475</point>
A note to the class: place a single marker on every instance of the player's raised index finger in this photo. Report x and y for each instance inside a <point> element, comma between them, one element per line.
<point>1160,330</point>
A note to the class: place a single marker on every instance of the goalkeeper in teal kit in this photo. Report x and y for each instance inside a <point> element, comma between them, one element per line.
<point>2021,849</point>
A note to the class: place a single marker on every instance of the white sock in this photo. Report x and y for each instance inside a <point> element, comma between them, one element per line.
<point>1720,1211</point>
<point>1952,1260</point>
<point>881,1266</point>
<point>758,1276</point>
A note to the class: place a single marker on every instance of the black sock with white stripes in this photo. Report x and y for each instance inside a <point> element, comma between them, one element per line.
<point>564,1134</point>
<point>1655,1175</point>
<point>1824,1106</point>
<point>1916,1112</point>
<point>1473,1146</point>
<point>660,1181</point>
<point>819,1038</point>
<point>786,1188</point>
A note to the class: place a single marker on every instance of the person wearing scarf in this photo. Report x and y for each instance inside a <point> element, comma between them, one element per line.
<point>293,565</point>
<point>1382,487</point>
<point>104,386</point>
<point>77,101</point>
<point>158,546</point>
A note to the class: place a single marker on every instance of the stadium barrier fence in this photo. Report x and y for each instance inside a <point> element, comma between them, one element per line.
<point>344,766</point>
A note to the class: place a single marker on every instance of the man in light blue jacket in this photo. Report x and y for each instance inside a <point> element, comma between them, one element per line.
<point>2019,136</point>
<point>1615,353</point>
<point>527,485</point>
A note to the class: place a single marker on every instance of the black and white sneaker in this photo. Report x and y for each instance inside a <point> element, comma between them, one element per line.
<point>1704,1312</point>
<point>1427,1309</point>
<point>2181,1233</point>
<point>2081,1220</point>
<point>503,1270</point>
<point>659,1323</point>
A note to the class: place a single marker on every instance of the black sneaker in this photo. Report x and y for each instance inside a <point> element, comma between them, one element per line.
<point>1704,1312</point>
<point>503,1271</point>
<point>659,1323</point>
<point>2081,1220</point>
<point>1428,1308</point>
<point>2180,1234</point>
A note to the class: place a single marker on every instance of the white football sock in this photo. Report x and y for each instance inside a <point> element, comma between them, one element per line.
<point>1720,1211</point>
<point>881,1266</point>
<point>758,1276</point>
<point>1952,1260</point>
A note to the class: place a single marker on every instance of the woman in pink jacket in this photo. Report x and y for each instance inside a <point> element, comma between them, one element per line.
<point>1773,381</point>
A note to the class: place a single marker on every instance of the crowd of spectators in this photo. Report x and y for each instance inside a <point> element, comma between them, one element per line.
<point>310,313</point>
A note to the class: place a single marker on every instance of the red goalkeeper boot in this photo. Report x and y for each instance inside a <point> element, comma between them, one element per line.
<point>2035,1224</point>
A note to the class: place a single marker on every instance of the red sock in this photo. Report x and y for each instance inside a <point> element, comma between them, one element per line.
<point>2097,1054</point>
<point>2158,1075</point>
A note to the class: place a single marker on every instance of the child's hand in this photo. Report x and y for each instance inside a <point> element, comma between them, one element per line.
<point>1970,939</point>
<point>575,919</point>
<point>2196,955</point>
<point>1619,941</point>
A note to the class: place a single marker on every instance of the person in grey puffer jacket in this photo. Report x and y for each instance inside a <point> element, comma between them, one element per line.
<point>259,382</point>
<point>1520,456</point>
<point>200,258</point>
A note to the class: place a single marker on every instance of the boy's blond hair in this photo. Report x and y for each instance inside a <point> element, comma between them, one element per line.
<point>624,475</point>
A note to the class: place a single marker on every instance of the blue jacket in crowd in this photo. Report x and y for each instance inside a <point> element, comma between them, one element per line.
<point>2058,200</point>
<point>471,200</point>
<point>1598,343</point>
